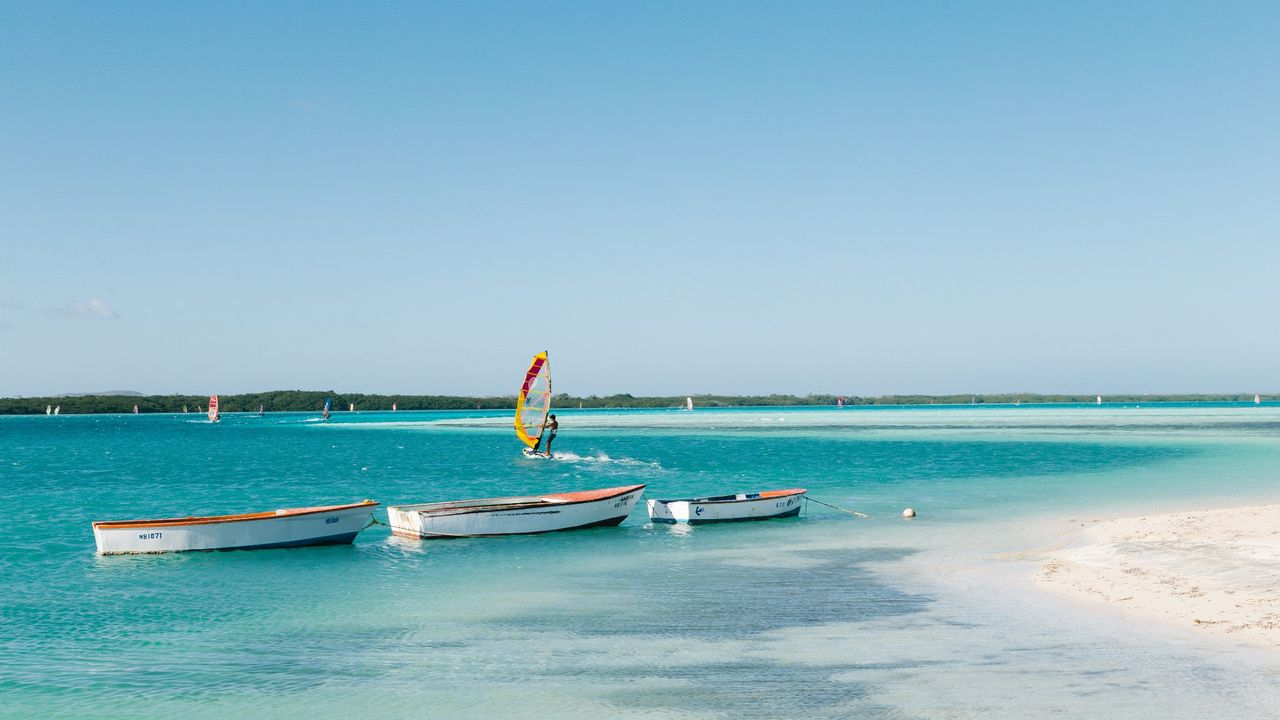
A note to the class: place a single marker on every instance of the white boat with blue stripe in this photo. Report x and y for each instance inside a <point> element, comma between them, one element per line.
<point>292,527</point>
<point>764,505</point>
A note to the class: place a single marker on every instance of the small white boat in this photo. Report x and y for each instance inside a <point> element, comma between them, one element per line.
<point>514,515</point>
<point>1098,400</point>
<point>294,527</point>
<point>688,404</point>
<point>725,508</point>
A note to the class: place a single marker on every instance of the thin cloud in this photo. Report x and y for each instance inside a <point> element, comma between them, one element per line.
<point>11,303</point>
<point>92,308</point>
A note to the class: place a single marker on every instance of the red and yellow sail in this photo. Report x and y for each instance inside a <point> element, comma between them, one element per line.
<point>533,404</point>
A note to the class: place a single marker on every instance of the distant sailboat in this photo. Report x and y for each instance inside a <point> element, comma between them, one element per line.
<point>688,404</point>
<point>184,409</point>
<point>262,410</point>
<point>1257,399</point>
<point>325,414</point>
<point>57,409</point>
<point>839,401</point>
<point>1098,401</point>
<point>135,408</point>
<point>393,407</point>
<point>351,408</point>
<point>48,409</point>
<point>214,415</point>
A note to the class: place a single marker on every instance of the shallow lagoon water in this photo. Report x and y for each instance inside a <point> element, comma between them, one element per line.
<point>820,616</point>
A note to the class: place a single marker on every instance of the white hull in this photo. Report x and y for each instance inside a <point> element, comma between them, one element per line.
<point>296,527</point>
<point>746,506</point>
<point>514,515</point>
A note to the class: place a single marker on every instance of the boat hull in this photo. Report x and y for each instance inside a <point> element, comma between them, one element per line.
<point>296,527</point>
<point>515,515</point>
<point>730,508</point>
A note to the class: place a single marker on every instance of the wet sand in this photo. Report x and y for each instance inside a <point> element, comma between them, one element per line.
<point>1216,571</point>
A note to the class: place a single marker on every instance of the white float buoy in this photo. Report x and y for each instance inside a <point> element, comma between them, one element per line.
<point>908,513</point>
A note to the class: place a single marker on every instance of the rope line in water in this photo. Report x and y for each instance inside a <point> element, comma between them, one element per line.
<point>833,507</point>
<point>373,521</point>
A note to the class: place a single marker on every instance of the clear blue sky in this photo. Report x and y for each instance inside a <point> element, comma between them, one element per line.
<point>671,197</point>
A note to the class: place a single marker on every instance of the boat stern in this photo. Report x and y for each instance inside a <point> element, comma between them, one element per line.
<point>668,511</point>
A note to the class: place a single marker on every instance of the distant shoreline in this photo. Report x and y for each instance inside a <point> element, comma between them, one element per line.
<point>313,400</point>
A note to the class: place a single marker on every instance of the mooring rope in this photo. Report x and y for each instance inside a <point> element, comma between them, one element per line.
<point>833,507</point>
<point>373,521</point>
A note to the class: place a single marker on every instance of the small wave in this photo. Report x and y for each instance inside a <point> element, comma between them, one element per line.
<point>601,457</point>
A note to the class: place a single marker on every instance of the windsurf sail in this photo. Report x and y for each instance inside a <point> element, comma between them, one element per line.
<point>325,414</point>
<point>214,416</point>
<point>533,404</point>
<point>839,401</point>
<point>688,404</point>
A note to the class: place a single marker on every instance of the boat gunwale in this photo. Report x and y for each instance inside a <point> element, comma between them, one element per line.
<point>548,500</point>
<point>218,519</point>
<point>727,499</point>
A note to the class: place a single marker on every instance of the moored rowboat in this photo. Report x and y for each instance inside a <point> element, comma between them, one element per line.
<point>294,527</point>
<point>514,515</point>
<point>723,508</point>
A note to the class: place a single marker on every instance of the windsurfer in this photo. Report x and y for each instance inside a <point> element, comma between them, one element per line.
<point>549,429</point>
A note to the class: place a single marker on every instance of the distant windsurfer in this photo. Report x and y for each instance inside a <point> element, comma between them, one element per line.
<point>549,429</point>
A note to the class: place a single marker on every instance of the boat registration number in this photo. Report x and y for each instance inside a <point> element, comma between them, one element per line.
<point>150,536</point>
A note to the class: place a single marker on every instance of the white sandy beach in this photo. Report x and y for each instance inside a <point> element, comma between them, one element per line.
<point>1212,570</point>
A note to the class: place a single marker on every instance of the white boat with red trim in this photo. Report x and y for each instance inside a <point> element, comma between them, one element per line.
<point>514,515</point>
<point>293,527</point>
<point>725,508</point>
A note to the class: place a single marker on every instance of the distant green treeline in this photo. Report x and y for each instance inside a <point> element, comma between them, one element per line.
<point>313,401</point>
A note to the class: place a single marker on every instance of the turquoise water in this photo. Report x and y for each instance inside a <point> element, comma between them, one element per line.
<point>820,616</point>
